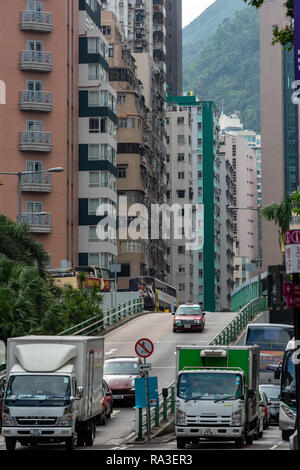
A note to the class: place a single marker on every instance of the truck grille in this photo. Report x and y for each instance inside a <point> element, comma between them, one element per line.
<point>36,421</point>
<point>206,419</point>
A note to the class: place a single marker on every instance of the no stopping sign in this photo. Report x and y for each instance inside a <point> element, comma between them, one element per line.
<point>144,347</point>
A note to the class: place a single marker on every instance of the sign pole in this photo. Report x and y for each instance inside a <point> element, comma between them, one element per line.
<point>147,404</point>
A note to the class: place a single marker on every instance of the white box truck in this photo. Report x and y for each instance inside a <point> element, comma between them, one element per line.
<point>217,394</point>
<point>53,390</point>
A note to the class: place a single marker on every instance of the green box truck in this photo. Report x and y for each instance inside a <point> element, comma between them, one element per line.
<point>217,396</point>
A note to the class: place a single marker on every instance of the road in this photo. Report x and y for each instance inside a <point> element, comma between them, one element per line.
<point>158,328</point>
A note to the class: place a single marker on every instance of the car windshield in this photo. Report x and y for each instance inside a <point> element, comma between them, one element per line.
<point>207,386</point>
<point>271,392</point>
<point>121,368</point>
<point>188,311</point>
<point>38,387</point>
<point>270,338</point>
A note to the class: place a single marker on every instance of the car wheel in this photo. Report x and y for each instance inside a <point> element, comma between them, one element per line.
<point>181,442</point>
<point>10,443</point>
<point>103,418</point>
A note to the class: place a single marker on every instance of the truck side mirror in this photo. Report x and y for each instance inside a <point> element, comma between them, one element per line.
<point>251,394</point>
<point>79,392</point>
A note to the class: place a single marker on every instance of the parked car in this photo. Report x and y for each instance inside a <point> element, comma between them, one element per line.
<point>119,374</point>
<point>107,403</point>
<point>273,395</point>
<point>261,419</point>
<point>189,317</point>
<point>267,405</point>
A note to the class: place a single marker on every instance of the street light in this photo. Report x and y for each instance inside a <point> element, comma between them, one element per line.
<point>259,254</point>
<point>19,174</point>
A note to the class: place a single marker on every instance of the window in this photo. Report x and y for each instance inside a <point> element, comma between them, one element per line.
<point>96,72</point>
<point>181,194</point>
<point>93,234</point>
<point>34,166</point>
<point>94,124</point>
<point>181,175</point>
<point>181,157</point>
<point>181,268</point>
<point>36,46</point>
<point>126,123</point>
<point>122,171</point>
<point>35,6</point>
<point>181,287</point>
<point>92,207</point>
<point>34,207</point>
<point>181,250</point>
<point>180,139</point>
<point>180,120</point>
<point>34,85</point>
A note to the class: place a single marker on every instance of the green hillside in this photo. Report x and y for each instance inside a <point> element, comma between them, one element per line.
<point>197,33</point>
<point>227,69</point>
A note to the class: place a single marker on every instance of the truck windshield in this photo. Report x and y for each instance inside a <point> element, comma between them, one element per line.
<point>209,386</point>
<point>24,388</point>
<point>270,338</point>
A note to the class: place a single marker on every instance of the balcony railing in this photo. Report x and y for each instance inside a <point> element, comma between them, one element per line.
<point>36,21</point>
<point>35,141</point>
<point>35,100</point>
<point>36,60</point>
<point>39,223</point>
<point>37,182</point>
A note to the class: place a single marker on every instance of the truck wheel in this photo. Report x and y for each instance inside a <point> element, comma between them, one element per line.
<point>90,434</point>
<point>249,439</point>
<point>103,419</point>
<point>10,443</point>
<point>70,443</point>
<point>286,434</point>
<point>239,443</point>
<point>181,442</point>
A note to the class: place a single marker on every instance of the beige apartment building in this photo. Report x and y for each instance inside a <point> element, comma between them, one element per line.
<point>39,122</point>
<point>179,181</point>
<point>279,124</point>
<point>139,175</point>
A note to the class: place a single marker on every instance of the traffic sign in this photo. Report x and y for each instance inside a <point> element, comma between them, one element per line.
<point>144,347</point>
<point>292,251</point>
<point>293,301</point>
<point>145,367</point>
<point>291,289</point>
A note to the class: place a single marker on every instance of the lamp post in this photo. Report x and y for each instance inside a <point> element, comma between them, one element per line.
<point>259,253</point>
<point>19,174</point>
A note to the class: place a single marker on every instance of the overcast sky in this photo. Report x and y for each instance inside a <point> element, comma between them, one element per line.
<point>193,8</point>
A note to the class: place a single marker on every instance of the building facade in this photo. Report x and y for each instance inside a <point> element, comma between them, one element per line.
<point>39,122</point>
<point>174,46</point>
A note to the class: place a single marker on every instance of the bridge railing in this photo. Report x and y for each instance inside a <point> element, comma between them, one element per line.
<point>165,410</point>
<point>106,319</point>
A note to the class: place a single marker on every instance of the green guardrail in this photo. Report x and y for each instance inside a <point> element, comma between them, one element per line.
<point>165,410</point>
<point>231,332</point>
<point>105,319</point>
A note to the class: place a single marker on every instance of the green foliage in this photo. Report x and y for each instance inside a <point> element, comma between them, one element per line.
<point>227,69</point>
<point>17,244</point>
<point>197,33</point>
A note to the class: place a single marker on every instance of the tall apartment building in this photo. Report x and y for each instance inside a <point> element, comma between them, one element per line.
<point>39,122</point>
<point>97,143</point>
<point>279,124</point>
<point>206,191</point>
<point>174,46</point>
<point>179,196</point>
<point>227,228</point>
<point>141,157</point>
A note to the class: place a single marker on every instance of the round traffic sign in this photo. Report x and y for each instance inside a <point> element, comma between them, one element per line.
<point>144,347</point>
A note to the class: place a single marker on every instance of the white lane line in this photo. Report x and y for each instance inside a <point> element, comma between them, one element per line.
<point>110,352</point>
<point>115,413</point>
<point>277,445</point>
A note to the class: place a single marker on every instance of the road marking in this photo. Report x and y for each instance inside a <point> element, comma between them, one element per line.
<point>115,412</point>
<point>277,445</point>
<point>110,352</point>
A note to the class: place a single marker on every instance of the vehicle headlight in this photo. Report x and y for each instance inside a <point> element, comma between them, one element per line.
<point>7,420</point>
<point>290,413</point>
<point>237,418</point>
<point>180,417</point>
<point>66,420</point>
<point>132,385</point>
<point>197,321</point>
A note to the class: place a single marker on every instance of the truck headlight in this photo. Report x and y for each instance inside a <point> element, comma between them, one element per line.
<point>7,420</point>
<point>132,385</point>
<point>237,418</point>
<point>290,413</point>
<point>66,420</point>
<point>180,417</point>
<point>197,321</point>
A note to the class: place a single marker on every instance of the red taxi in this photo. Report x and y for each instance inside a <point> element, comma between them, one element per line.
<point>189,317</point>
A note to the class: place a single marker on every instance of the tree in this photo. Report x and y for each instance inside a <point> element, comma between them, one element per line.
<point>284,36</point>
<point>17,244</point>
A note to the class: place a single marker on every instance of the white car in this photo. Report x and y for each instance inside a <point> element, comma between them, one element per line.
<point>261,419</point>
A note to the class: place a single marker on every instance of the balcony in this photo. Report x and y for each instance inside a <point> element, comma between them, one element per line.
<point>35,101</point>
<point>38,61</point>
<point>38,223</point>
<point>39,182</point>
<point>36,21</point>
<point>32,141</point>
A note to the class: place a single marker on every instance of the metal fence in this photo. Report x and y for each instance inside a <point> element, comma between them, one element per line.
<point>165,410</point>
<point>106,319</point>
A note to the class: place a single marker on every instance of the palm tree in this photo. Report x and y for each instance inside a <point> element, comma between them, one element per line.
<point>282,215</point>
<point>17,244</point>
